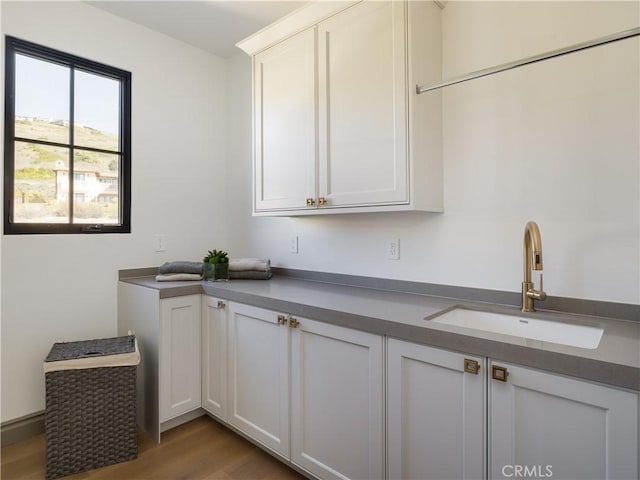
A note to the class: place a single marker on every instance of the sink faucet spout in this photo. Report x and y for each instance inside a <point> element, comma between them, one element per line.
<point>532,249</point>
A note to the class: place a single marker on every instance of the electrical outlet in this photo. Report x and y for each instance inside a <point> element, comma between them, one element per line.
<point>393,249</point>
<point>293,244</point>
<point>159,242</point>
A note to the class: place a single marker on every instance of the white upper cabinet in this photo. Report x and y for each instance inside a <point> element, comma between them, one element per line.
<point>285,124</point>
<point>335,110</point>
<point>362,106</point>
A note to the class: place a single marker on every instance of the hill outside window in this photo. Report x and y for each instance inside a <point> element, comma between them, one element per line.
<point>67,143</point>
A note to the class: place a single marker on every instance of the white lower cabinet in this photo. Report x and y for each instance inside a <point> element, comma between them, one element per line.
<point>179,356</point>
<point>337,401</point>
<point>214,357</point>
<point>310,391</point>
<point>168,334</point>
<point>558,427</point>
<point>537,424</point>
<point>314,393</point>
<point>436,427</point>
<point>258,376</point>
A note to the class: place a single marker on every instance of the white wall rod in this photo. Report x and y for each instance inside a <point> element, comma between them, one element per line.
<point>526,61</point>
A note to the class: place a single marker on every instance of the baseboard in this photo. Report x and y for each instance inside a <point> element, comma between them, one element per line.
<point>22,428</point>
<point>184,418</point>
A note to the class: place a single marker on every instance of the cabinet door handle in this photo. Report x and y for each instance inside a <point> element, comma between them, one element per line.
<point>499,373</point>
<point>293,323</point>
<point>282,320</point>
<point>220,304</point>
<point>311,202</point>
<point>322,201</point>
<point>471,366</point>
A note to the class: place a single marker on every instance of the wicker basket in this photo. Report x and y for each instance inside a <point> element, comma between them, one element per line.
<point>90,412</point>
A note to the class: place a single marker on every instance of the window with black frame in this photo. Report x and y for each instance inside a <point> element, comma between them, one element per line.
<point>67,143</point>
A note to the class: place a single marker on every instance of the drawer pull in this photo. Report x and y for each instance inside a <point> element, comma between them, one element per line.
<point>220,304</point>
<point>293,323</point>
<point>499,373</point>
<point>282,320</point>
<point>471,366</point>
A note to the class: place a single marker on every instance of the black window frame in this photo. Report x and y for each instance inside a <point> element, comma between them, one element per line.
<point>15,46</point>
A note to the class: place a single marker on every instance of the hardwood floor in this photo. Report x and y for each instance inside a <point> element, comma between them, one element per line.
<point>200,449</point>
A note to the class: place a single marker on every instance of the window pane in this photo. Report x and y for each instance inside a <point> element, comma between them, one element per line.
<point>49,90</point>
<point>41,185</point>
<point>42,100</point>
<point>95,188</point>
<point>97,111</point>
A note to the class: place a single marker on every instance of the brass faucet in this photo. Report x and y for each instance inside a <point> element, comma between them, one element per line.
<point>532,260</point>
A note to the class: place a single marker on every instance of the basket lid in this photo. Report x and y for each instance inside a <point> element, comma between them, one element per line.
<point>91,348</point>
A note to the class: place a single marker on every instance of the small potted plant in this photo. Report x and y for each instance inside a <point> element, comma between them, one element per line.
<point>216,266</point>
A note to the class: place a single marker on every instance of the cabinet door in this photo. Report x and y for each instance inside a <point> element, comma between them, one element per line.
<point>435,413</point>
<point>285,123</point>
<point>214,357</point>
<point>559,427</point>
<point>362,102</point>
<point>258,383</point>
<point>337,401</point>
<point>179,356</point>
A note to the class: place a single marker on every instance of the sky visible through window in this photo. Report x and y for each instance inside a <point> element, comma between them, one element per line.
<point>42,91</point>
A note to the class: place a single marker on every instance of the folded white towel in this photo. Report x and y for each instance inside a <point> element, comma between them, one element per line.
<point>179,277</point>
<point>244,264</point>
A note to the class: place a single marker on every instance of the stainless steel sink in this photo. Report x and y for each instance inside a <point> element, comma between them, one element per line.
<point>570,334</point>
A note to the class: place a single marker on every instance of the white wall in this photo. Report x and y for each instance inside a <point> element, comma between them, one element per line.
<point>63,287</point>
<point>556,142</point>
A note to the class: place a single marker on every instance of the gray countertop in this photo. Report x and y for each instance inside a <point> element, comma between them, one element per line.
<point>616,360</point>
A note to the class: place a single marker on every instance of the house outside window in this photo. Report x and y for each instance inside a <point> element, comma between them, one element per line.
<point>67,143</point>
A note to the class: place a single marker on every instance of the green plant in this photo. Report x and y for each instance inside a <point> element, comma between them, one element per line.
<point>216,256</point>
